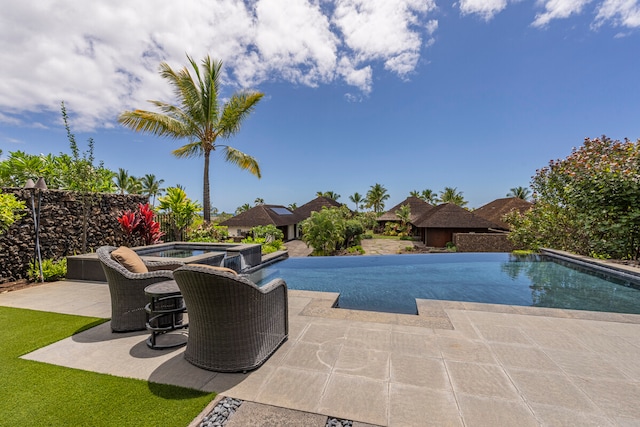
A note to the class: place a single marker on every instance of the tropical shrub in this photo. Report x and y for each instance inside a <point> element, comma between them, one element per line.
<point>588,203</point>
<point>52,270</point>
<point>269,236</point>
<point>331,230</point>
<point>10,208</point>
<point>182,209</point>
<point>209,232</point>
<point>141,224</point>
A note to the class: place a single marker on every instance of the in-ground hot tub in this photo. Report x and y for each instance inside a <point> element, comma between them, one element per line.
<point>238,256</point>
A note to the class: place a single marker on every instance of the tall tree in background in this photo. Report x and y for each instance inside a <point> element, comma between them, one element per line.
<point>328,194</point>
<point>519,192</point>
<point>452,195</point>
<point>199,117</point>
<point>427,195</point>
<point>375,198</point>
<point>151,187</point>
<point>357,199</point>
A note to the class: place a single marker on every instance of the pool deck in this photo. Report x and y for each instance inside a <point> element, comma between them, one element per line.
<point>457,364</point>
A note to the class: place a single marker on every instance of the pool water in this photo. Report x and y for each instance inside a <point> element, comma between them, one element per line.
<point>391,283</point>
<point>178,253</point>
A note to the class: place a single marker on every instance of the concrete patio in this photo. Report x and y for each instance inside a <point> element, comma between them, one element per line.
<point>454,364</point>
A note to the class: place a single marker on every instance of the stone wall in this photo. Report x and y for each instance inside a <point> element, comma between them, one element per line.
<point>61,226</point>
<point>483,242</point>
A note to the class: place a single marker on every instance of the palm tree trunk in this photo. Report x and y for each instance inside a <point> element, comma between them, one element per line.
<point>206,199</point>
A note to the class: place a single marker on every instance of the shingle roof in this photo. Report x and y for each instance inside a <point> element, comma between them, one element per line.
<point>316,205</point>
<point>418,208</point>
<point>263,215</point>
<point>449,215</point>
<point>496,210</point>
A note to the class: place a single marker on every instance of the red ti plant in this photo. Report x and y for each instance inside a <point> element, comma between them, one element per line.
<point>141,224</point>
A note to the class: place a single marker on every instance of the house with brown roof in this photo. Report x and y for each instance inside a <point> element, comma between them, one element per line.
<point>496,210</point>
<point>418,208</point>
<point>283,218</point>
<point>437,226</point>
<point>315,205</point>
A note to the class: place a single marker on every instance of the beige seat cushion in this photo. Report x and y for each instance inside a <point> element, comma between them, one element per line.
<point>129,260</point>
<point>214,267</point>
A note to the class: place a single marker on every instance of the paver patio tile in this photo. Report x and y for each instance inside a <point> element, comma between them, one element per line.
<point>356,398</point>
<point>314,357</point>
<point>293,388</point>
<point>585,365</point>
<point>551,389</point>
<point>503,334</point>
<point>481,380</point>
<point>615,398</point>
<point>419,371</point>
<point>482,411</point>
<point>421,406</point>
<point>319,333</point>
<point>366,363</point>
<point>554,339</point>
<point>553,416</point>
<point>465,350</point>
<point>524,357</point>
<point>369,338</point>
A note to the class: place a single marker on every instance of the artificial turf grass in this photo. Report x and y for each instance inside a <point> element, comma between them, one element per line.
<point>35,393</point>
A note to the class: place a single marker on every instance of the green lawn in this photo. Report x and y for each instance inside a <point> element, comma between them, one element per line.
<point>39,394</point>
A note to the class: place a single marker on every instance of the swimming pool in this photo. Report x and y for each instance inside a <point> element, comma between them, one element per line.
<point>391,283</point>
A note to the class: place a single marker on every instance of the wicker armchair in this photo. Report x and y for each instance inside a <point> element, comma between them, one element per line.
<point>127,289</point>
<point>234,325</point>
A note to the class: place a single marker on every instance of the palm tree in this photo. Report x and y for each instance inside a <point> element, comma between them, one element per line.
<point>199,117</point>
<point>328,194</point>
<point>357,199</point>
<point>292,206</point>
<point>429,196</point>
<point>259,201</point>
<point>375,198</point>
<point>243,208</point>
<point>519,192</point>
<point>151,187</point>
<point>122,180</point>
<point>452,195</point>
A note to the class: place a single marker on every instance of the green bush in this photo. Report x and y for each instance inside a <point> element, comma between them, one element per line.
<point>51,270</point>
<point>9,207</point>
<point>209,232</point>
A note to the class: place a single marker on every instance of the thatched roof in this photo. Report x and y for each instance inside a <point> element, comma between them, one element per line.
<point>316,205</point>
<point>449,215</point>
<point>418,208</point>
<point>263,215</point>
<point>496,210</point>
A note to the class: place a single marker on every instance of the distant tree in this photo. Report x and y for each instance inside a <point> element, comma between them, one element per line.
<point>243,208</point>
<point>122,180</point>
<point>452,195</point>
<point>259,201</point>
<point>520,192</point>
<point>358,200</point>
<point>182,209</point>
<point>151,187</point>
<point>292,206</point>
<point>328,194</point>
<point>200,117</point>
<point>404,215</point>
<point>376,197</point>
<point>427,195</point>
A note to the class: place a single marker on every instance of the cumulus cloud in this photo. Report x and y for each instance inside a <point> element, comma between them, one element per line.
<point>623,13</point>
<point>101,57</point>
<point>555,9</point>
<point>487,9</point>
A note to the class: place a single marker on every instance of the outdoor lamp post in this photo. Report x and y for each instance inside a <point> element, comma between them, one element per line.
<point>38,187</point>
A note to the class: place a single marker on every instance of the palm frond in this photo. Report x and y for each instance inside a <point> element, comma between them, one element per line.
<point>193,149</point>
<point>242,160</point>
<point>236,110</point>
<point>155,123</point>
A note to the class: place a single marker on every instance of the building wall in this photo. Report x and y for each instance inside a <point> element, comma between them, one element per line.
<point>61,226</point>
<point>236,231</point>
<point>483,242</point>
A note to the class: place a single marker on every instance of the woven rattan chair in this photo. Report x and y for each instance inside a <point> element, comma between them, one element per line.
<point>234,325</point>
<point>127,289</point>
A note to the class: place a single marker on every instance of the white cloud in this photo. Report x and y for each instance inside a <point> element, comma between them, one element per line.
<point>555,9</point>
<point>487,9</point>
<point>623,13</point>
<point>101,57</point>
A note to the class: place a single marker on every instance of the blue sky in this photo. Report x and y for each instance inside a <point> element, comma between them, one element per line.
<point>410,94</point>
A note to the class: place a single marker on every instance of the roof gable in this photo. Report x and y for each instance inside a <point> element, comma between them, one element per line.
<point>418,208</point>
<point>449,215</point>
<point>496,210</point>
<point>315,205</point>
<point>263,215</point>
